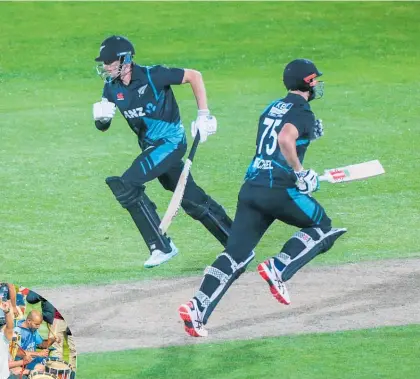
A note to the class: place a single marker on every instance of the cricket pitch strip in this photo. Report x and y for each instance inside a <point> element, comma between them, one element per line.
<point>324,299</point>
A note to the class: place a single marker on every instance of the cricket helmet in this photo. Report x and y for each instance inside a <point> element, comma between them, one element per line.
<point>301,74</point>
<point>114,48</point>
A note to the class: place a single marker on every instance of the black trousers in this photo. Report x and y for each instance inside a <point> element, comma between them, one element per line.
<point>258,207</point>
<point>163,160</point>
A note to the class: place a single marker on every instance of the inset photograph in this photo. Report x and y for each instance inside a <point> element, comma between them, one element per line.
<point>35,340</point>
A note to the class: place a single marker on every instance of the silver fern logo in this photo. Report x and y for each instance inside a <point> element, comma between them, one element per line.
<point>142,90</point>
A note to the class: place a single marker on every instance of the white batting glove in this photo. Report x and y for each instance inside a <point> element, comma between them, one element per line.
<point>103,111</point>
<point>205,123</point>
<point>318,130</point>
<point>307,181</point>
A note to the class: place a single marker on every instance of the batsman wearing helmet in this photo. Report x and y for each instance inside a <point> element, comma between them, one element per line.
<point>145,99</point>
<point>276,187</point>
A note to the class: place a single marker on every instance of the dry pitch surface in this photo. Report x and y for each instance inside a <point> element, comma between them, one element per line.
<point>324,299</point>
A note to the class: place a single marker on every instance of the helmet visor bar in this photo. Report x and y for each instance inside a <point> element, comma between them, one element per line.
<point>104,74</point>
<point>107,74</point>
<point>318,89</point>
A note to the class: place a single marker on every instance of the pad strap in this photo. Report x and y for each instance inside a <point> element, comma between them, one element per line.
<point>306,249</point>
<point>225,281</point>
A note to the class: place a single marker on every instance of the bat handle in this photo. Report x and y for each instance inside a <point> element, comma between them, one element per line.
<point>194,146</point>
<point>323,178</point>
<point>326,178</point>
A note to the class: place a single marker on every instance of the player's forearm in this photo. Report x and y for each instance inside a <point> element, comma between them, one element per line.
<point>197,84</point>
<point>288,149</point>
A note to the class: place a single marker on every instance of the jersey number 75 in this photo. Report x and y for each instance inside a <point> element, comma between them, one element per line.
<point>270,132</point>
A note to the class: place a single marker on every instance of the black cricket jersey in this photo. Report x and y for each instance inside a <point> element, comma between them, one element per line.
<point>148,103</point>
<point>269,167</point>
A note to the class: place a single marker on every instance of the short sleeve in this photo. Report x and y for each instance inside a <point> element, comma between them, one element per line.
<point>161,76</point>
<point>303,121</point>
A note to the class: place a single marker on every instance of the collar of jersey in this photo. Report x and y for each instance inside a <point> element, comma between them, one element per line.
<point>138,74</point>
<point>297,99</point>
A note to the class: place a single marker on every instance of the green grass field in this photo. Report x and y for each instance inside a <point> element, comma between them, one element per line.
<point>61,225</point>
<point>59,221</point>
<point>386,353</point>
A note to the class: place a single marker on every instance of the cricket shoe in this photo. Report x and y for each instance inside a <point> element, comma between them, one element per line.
<point>271,275</point>
<point>191,315</point>
<point>157,257</point>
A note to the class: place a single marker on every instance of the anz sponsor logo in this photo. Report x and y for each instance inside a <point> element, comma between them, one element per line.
<point>262,164</point>
<point>280,109</point>
<point>134,113</point>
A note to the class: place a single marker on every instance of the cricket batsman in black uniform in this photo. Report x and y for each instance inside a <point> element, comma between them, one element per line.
<point>276,187</point>
<point>144,97</point>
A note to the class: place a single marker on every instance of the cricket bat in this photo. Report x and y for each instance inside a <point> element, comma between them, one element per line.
<point>353,172</point>
<point>178,194</point>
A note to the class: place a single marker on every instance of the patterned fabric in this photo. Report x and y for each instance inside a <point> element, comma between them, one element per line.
<point>210,270</point>
<point>203,299</point>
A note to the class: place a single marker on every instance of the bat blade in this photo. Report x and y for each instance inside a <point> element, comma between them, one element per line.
<point>353,172</point>
<point>176,199</point>
<point>178,194</point>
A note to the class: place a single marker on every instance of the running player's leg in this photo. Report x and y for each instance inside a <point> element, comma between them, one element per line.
<point>198,205</point>
<point>154,161</point>
<point>315,237</point>
<point>249,226</point>
<point>129,190</point>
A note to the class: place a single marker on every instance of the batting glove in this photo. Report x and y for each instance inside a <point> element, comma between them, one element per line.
<point>307,181</point>
<point>318,130</point>
<point>205,123</point>
<point>103,111</point>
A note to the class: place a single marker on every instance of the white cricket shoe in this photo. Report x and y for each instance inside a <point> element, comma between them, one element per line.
<point>193,320</point>
<point>158,257</point>
<point>271,275</point>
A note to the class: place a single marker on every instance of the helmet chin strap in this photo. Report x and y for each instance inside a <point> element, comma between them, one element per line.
<point>127,59</point>
<point>126,79</point>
